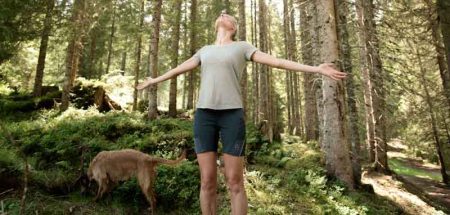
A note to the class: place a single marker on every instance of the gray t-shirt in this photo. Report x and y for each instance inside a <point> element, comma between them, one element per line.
<point>221,71</point>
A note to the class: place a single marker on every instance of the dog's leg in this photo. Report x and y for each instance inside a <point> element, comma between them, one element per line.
<point>98,191</point>
<point>144,178</point>
<point>102,188</point>
<point>151,191</point>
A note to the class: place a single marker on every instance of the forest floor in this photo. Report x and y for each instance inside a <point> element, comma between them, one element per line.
<point>286,177</point>
<point>416,186</point>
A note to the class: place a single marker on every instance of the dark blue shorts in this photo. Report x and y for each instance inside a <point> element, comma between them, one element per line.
<point>228,124</point>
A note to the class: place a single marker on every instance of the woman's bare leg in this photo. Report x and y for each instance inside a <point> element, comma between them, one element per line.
<point>234,173</point>
<point>208,173</point>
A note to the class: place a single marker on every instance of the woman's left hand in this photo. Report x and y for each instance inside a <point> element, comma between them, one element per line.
<point>329,70</point>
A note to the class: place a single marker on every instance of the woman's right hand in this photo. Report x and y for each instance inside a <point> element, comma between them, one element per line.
<point>149,81</point>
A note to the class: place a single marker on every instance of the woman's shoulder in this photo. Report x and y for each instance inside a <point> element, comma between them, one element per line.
<point>242,42</point>
<point>245,44</point>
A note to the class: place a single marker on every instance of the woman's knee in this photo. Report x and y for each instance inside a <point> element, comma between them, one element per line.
<point>235,183</point>
<point>209,183</point>
<point>208,170</point>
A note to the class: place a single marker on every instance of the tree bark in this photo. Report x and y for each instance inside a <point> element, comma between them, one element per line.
<point>92,59</point>
<point>123,63</point>
<point>438,43</point>
<point>378,91</point>
<point>193,41</point>
<point>255,68</point>
<point>433,120</point>
<point>307,31</point>
<point>335,145</point>
<point>264,112</point>
<point>153,91</point>
<point>242,36</point>
<point>364,52</point>
<point>443,7</point>
<point>37,91</point>
<point>74,50</point>
<point>317,41</point>
<point>175,49</point>
<point>288,55</point>
<point>111,37</point>
<point>296,93</point>
<point>138,55</point>
<point>346,65</point>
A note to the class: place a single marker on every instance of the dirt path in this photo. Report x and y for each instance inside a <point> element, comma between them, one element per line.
<point>394,190</point>
<point>415,187</point>
<point>427,185</point>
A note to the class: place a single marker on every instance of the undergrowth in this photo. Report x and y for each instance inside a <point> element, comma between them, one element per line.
<point>284,178</point>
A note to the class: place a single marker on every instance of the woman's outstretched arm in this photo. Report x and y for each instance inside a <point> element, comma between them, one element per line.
<point>324,69</point>
<point>186,66</point>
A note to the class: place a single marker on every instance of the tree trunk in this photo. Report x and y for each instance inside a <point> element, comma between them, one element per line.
<point>434,125</point>
<point>175,48</point>
<point>153,92</point>
<point>242,37</point>
<point>92,59</point>
<point>335,145</point>
<point>74,50</point>
<point>316,41</point>
<point>193,41</point>
<point>274,132</point>
<point>123,62</point>
<point>297,105</point>
<point>138,55</point>
<point>346,65</point>
<point>433,22</point>
<point>288,78</point>
<point>185,51</point>
<point>111,37</point>
<point>306,27</point>
<point>37,91</point>
<point>256,94</point>
<point>264,112</point>
<point>378,91</point>
<point>443,7</point>
<point>364,52</point>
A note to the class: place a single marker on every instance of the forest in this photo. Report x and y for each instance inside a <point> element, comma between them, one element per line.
<point>375,142</point>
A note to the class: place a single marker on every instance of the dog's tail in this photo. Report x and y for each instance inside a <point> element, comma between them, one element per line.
<point>170,162</point>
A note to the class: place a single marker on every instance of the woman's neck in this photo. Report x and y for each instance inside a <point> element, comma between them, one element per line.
<point>223,37</point>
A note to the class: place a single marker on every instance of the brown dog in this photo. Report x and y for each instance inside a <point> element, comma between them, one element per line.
<point>109,167</point>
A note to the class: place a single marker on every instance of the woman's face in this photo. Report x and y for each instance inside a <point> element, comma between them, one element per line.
<point>226,21</point>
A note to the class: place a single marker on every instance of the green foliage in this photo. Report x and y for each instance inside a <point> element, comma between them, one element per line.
<point>301,186</point>
<point>4,88</point>
<point>57,142</point>
<point>26,103</point>
<point>18,22</point>
<point>62,138</point>
<point>402,168</point>
<point>56,180</point>
<point>287,178</point>
<point>178,187</point>
<point>10,169</point>
<point>42,203</point>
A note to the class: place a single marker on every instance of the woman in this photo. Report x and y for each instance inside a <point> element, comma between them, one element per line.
<point>219,111</point>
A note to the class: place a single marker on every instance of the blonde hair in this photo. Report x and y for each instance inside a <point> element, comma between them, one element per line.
<point>236,27</point>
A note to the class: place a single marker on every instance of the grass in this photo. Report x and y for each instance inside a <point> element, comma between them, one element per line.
<point>401,168</point>
<point>299,186</point>
<point>288,177</point>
